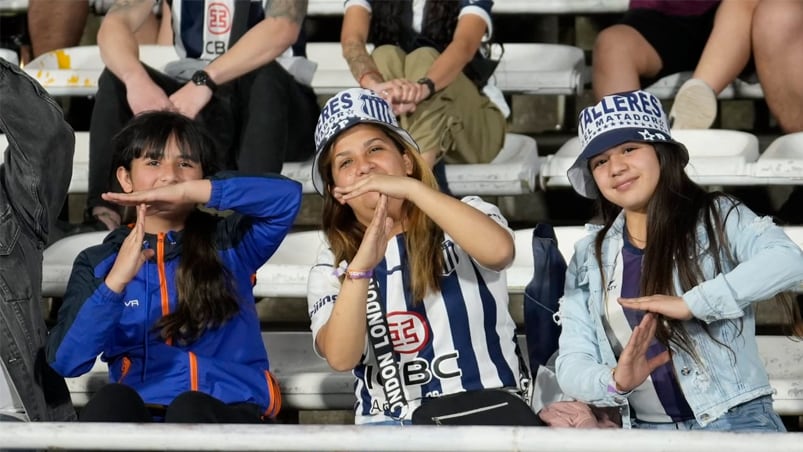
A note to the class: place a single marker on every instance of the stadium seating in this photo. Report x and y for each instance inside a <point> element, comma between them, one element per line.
<point>513,171</point>
<point>525,68</point>
<point>716,157</point>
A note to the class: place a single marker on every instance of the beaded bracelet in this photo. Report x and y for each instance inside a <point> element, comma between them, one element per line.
<point>613,387</point>
<point>367,274</point>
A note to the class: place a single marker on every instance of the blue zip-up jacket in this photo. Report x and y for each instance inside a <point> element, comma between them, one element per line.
<point>767,262</point>
<point>230,362</point>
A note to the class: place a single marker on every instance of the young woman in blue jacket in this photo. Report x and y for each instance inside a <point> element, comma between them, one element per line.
<point>658,314</point>
<point>167,302</point>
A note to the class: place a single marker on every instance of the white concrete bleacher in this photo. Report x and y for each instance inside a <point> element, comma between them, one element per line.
<point>716,157</point>
<point>74,71</point>
<point>524,68</point>
<point>285,274</point>
<point>335,7</point>
<point>513,171</point>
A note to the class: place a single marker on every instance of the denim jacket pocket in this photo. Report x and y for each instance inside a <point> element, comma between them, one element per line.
<point>9,232</point>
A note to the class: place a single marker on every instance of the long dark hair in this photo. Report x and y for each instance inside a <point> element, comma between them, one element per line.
<point>674,212</point>
<point>423,238</point>
<point>389,22</point>
<point>205,294</point>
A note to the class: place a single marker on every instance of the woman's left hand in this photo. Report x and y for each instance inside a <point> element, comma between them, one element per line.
<point>670,306</point>
<point>394,186</point>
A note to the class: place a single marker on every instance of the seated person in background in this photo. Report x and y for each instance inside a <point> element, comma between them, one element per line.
<point>442,284</point>
<point>778,53</point>
<point>34,178</point>
<point>422,52</point>
<point>658,313</point>
<point>60,24</point>
<point>656,38</point>
<point>167,302</point>
<point>242,74</point>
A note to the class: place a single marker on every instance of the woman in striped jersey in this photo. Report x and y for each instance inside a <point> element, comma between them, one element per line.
<point>658,315</point>
<point>441,305</point>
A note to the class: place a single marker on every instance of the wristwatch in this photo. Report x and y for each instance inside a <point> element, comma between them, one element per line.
<point>202,78</point>
<point>430,84</point>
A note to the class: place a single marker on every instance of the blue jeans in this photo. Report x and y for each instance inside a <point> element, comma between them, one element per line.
<point>756,415</point>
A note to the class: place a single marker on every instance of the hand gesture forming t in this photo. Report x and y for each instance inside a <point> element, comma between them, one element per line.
<point>667,305</point>
<point>375,240</point>
<point>131,255</point>
<point>160,199</point>
<point>634,367</point>
<point>393,186</point>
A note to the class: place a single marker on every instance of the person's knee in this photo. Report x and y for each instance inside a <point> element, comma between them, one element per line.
<point>615,42</point>
<point>388,52</point>
<point>776,22</point>
<point>114,402</point>
<point>272,77</point>
<point>191,406</point>
<point>419,61</point>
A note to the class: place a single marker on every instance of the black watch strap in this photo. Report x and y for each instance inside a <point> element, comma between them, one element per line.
<point>202,78</point>
<point>430,84</point>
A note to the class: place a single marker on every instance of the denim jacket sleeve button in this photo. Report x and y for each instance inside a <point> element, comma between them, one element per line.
<point>685,371</point>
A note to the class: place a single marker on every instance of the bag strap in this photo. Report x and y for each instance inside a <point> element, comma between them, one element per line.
<point>382,346</point>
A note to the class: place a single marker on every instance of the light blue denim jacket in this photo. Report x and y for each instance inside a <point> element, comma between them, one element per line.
<point>768,263</point>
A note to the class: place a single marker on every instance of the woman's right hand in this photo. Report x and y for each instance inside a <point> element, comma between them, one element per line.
<point>375,240</point>
<point>131,256</point>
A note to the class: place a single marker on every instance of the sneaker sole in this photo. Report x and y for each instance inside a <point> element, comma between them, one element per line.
<point>695,106</point>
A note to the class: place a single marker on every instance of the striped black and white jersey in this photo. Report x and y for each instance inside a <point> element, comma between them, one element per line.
<point>461,338</point>
<point>205,29</point>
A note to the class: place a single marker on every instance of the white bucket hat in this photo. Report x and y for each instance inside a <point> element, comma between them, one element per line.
<point>346,109</point>
<point>616,119</point>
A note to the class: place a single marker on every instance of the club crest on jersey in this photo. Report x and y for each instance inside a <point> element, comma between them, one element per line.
<point>450,257</point>
<point>218,18</point>
<point>344,109</point>
<point>408,331</point>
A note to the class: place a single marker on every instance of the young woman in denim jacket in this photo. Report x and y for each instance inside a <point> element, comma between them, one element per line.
<point>658,313</point>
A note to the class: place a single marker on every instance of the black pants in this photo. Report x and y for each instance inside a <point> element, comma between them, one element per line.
<point>260,120</point>
<point>120,403</point>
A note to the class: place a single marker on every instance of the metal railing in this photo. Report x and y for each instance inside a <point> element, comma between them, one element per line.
<point>202,437</point>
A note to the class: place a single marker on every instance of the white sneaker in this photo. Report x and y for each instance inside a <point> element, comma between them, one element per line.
<point>695,106</point>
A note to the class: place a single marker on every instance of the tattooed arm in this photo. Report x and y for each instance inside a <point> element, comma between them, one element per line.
<point>353,37</point>
<point>262,43</point>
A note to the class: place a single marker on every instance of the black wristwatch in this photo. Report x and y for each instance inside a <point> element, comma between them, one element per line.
<point>430,84</point>
<point>202,78</point>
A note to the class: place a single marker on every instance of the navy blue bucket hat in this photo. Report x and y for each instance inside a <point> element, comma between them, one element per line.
<point>616,119</point>
<point>345,110</point>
